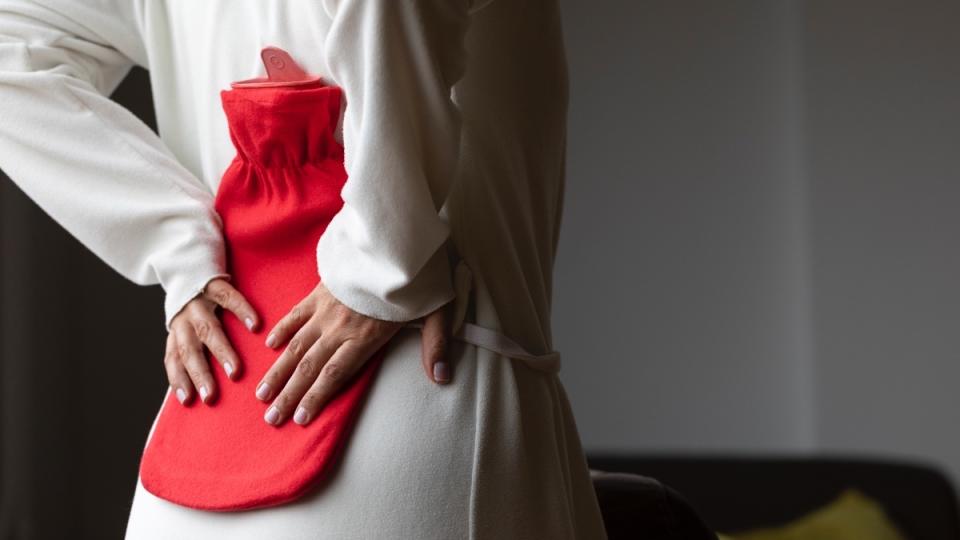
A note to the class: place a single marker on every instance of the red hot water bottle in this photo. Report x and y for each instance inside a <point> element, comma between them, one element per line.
<point>275,199</point>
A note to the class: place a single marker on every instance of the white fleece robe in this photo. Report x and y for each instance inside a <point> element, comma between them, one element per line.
<point>454,134</point>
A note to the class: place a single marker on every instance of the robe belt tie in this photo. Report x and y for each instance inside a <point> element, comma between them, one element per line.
<point>487,338</point>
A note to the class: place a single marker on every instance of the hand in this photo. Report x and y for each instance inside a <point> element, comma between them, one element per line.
<point>197,325</point>
<point>329,343</point>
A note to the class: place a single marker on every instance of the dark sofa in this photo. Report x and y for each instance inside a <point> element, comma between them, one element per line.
<point>731,493</point>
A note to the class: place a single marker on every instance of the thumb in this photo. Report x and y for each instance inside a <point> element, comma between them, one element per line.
<point>434,340</point>
<point>222,293</point>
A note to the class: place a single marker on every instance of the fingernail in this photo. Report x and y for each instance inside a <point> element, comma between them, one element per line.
<point>301,416</point>
<point>441,372</point>
<point>270,339</point>
<point>181,395</point>
<point>228,367</point>
<point>263,390</point>
<point>272,415</point>
<point>203,392</point>
<point>249,322</point>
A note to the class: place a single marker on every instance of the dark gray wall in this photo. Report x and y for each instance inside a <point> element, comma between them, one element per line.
<point>681,300</point>
<point>883,116</point>
<point>762,238</point>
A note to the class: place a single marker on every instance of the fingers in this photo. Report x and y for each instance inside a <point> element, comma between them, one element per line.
<point>221,292</point>
<point>288,360</point>
<point>197,327</point>
<point>328,342</point>
<point>434,346</point>
<point>208,329</point>
<point>194,361</point>
<point>341,366</point>
<point>315,365</point>
<point>176,374</point>
<point>289,324</point>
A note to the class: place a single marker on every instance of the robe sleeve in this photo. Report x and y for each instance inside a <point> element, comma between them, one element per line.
<point>396,60</point>
<point>88,162</point>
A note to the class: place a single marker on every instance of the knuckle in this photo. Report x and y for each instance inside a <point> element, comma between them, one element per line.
<point>195,373</point>
<point>296,345</point>
<point>223,296</point>
<point>193,365</point>
<point>183,352</point>
<point>343,316</point>
<point>307,366</point>
<point>218,343</point>
<point>203,329</point>
<point>334,372</point>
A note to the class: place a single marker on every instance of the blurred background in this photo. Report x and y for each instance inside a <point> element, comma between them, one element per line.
<point>760,256</point>
<point>761,245</point>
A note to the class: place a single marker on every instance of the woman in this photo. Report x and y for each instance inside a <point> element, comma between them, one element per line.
<point>454,133</point>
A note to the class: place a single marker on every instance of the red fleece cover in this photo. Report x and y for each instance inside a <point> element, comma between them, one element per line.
<point>275,198</point>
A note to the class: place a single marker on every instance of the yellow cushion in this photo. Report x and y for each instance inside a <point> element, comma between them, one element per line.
<point>851,516</point>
